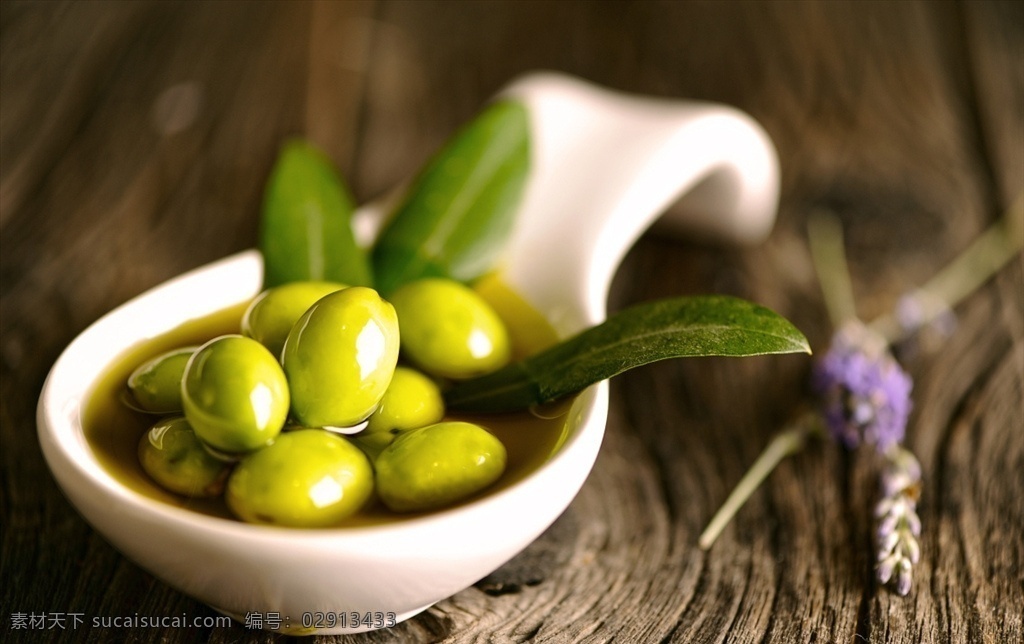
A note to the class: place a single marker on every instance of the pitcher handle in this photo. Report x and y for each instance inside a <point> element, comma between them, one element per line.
<point>605,165</point>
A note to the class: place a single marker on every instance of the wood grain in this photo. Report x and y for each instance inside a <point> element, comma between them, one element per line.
<point>134,139</point>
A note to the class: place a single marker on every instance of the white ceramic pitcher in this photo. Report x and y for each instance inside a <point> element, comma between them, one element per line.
<point>604,166</point>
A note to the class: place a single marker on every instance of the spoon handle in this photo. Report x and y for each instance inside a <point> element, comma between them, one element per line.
<point>605,165</point>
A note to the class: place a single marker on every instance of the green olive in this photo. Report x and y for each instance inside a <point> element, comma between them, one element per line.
<point>448,330</point>
<point>235,394</point>
<point>172,455</point>
<point>273,313</point>
<point>308,478</point>
<point>412,400</point>
<point>155,385</point>
<point>340,356</point>
<point>438,465</point>
<point>373,443</point>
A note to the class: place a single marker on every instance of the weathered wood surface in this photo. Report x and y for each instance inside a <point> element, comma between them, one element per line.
<point>135,138</point>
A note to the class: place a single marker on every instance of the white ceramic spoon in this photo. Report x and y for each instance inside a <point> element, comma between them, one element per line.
<point>604,167</point>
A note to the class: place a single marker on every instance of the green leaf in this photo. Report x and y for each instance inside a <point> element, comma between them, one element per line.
<point>674,328</point>
<point>459,211</point>
<point>306,231</point>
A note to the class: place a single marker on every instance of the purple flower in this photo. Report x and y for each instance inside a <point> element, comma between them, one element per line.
<point>920,308</point>
<point>865,394</point>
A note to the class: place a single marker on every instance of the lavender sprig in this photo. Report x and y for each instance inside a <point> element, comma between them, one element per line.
<point>898,527</point>
<point>863,391</point>
<point>935,300</point>
<point>866,400</point>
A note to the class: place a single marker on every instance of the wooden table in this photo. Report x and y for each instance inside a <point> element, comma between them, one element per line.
<point>135,141</point>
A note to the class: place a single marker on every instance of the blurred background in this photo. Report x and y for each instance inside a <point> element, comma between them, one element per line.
<point>135,138</point>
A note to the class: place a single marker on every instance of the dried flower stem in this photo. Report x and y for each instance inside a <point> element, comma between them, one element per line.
<point>825,236</point>
<point>784,444</point>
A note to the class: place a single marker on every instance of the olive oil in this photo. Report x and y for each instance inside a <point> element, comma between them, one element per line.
<point>113,430</point>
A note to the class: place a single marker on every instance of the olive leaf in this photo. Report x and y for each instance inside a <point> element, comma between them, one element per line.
<point>305,231</point>
<point>459,211</point>
<point>712,325</point>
